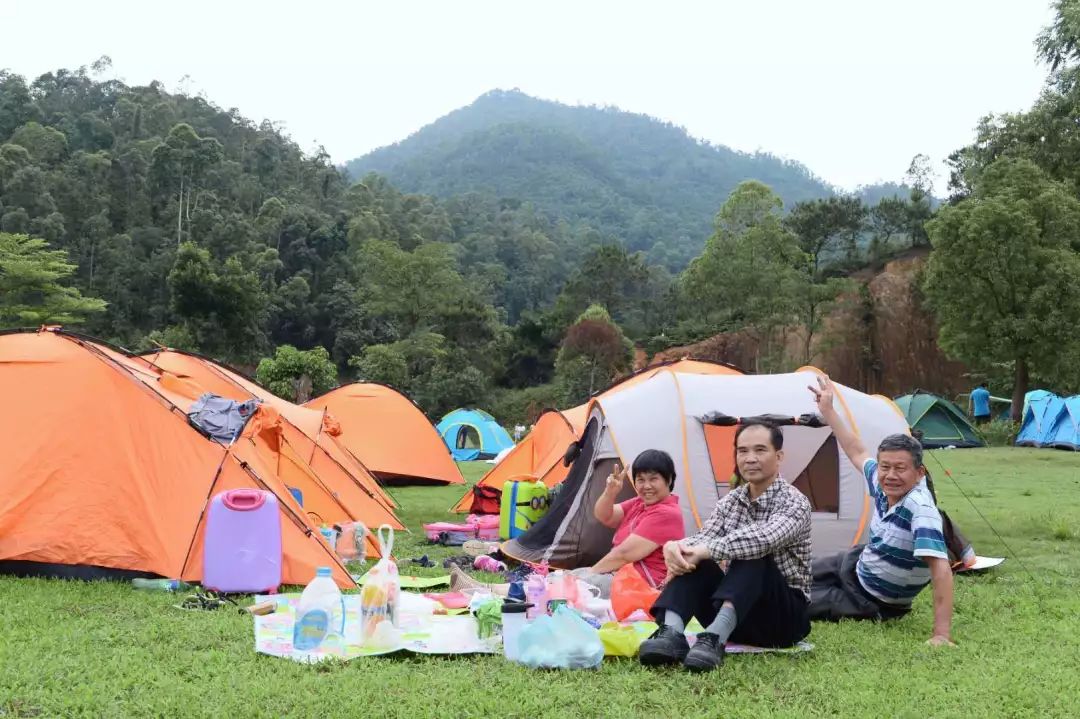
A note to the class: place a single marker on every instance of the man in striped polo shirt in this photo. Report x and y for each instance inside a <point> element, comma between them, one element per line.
<point>907,548</point>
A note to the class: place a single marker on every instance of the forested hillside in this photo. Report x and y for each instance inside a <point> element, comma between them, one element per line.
<point>629,176</point>
<point>188,225</point>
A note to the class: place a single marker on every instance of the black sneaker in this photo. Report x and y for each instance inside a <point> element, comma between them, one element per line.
<point>667,645</point>
<point>706,654</point>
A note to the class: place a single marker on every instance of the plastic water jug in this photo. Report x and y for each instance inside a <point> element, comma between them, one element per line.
<point>242,552</point>
<point>320,613</point>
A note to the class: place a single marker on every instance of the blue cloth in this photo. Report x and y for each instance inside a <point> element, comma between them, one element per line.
<point>892,566</point>
<point>980,402</point>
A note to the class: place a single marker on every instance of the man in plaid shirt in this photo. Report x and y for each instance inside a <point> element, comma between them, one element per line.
<point>761,532</point>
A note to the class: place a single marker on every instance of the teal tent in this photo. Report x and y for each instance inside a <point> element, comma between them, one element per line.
<point>473,434</point>
<point>941,422</point>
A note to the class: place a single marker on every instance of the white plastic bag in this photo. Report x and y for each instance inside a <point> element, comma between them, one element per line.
<point>379,620</point>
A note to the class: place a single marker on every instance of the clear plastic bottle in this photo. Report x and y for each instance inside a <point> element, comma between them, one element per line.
<point>536,596</point>
<point>320,613</point>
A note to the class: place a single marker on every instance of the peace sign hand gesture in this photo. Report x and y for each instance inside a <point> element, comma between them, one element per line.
<point>615,480</point>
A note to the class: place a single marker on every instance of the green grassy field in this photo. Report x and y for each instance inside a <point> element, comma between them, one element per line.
<point>106,650</point>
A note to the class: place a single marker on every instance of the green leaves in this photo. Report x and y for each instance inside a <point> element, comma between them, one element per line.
<point>1002,275</point>
<point>297,376</point>
<point>31,289</point>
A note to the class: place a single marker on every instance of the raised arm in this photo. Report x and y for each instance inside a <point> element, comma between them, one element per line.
<point>605,510</point>
<point>824,394</point>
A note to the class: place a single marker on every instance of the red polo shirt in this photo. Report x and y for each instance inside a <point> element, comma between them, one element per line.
<point>659,523</point>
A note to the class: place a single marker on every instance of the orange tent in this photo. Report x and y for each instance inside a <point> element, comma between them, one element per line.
<point>539,456</point>
<point>312,434</point>
<point>101,474</point>
<point>389,434</point>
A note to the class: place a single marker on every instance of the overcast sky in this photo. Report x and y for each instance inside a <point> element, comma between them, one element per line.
<point>851,88</point>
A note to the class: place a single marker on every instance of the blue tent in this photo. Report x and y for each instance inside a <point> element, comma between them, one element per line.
<point>1041,409</point>
<point>473,434</point>
<point>1064,432</point>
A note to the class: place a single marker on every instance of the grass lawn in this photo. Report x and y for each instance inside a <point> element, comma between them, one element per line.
<point>106,650</point>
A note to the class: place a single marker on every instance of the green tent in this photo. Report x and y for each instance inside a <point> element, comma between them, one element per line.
<point>941,422</point>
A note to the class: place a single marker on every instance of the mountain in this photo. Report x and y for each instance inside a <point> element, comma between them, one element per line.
<point>626,175</point>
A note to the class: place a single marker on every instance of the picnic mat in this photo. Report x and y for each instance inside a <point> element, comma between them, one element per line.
<point>411,582</point>
<point>423,634</point>
<point>440,634</point>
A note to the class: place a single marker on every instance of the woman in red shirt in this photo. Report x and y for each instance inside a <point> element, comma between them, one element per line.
<point>642,524</point>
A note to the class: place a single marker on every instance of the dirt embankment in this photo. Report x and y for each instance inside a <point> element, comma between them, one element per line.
<point>880,339</point>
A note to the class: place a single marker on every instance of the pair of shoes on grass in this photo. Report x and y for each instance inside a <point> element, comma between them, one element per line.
<point>669,646</point>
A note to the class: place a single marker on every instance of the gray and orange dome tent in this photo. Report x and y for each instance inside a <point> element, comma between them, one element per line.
<point>386,431</point>
<point>102,475</point>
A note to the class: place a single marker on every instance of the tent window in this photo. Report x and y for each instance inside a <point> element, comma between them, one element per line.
<point>467,438</point>
<point>820,481</point>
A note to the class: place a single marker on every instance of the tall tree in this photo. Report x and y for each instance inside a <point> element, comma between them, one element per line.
<point>1002,275</point>
<point>593,353</point>
<point>750,275</point>
<point>181,160</point>
<point>31,285</point>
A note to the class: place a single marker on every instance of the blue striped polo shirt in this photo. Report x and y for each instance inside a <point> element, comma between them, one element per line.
<point>891,567</point>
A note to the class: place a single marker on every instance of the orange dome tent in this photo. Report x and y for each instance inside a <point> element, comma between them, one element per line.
<point>539,456</point>
<point>309,431</point>
<point>102,475</point>
<point>389,434</point>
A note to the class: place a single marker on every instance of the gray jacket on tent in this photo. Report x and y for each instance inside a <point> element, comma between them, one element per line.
<point>220,418</point>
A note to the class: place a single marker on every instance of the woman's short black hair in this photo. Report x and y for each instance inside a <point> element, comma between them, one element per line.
<point>776,437</point>
<point>655,460</point>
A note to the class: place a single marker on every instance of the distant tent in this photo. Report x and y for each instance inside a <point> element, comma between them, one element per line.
<point>386,431</point>
<point>1041,408</point>
<point>941,422</point>
<point>102,475</point>
<point>1064,431</point>
<point>537,457</point>
<point>473,434</point>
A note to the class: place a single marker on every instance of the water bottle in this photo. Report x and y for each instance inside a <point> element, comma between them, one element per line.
<point>160,585</point>
<point>514,620</point>
<point>320,613</point>
<point>536,596</point>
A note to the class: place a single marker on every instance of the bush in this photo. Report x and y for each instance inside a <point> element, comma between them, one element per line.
<point>1000,432</point>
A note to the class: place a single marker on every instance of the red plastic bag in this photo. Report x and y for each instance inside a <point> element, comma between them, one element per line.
<point>630,592</point>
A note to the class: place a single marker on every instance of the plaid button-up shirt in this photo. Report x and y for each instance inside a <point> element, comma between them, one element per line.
<point>776,524</point>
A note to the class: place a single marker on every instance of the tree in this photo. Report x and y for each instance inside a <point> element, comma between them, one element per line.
<point>751,274</point>
<point>181,161</point>
<point>297,376</point>
<point>31,292</point>
<point>1002,275</point>
<point>593,353</point>
<point>224,309</point>
<point>1059,44</point>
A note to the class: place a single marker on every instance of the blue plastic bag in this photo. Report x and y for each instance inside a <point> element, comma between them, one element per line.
<point>561,641</point>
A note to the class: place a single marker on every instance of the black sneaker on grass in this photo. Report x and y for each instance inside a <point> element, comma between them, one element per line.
<point>666,646</point>
<point>706,654</point>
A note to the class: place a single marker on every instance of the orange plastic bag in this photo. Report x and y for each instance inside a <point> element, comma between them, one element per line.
<point>630,592</point>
